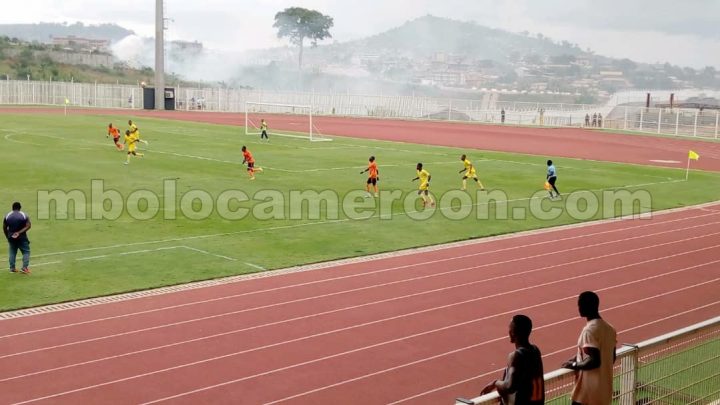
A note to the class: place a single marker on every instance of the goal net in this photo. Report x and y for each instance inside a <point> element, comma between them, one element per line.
<point>288,120</point>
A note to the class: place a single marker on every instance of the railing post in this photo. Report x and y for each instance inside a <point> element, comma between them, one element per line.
<point>717,121</point>
<point>625,121</point>
<point>450,110</point>
<point>641,120</point>
<point>677,122</point>
<point>628,376</point>
<point>695,124</point>
<point>659,120</point>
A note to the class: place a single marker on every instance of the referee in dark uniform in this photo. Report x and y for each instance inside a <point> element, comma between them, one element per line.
<point>15,226</point>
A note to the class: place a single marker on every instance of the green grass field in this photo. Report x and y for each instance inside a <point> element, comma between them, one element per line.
<point>76,258</point>
<point>674,379</point>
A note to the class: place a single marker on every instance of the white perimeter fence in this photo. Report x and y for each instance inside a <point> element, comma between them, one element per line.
<point>679,368</point>
<point>485,110</point>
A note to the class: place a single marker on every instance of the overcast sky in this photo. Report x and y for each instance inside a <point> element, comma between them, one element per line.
<point>682,32</point>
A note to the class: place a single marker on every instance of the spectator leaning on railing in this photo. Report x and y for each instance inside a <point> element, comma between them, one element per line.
<point>522,382</point>
<point>595,356</point>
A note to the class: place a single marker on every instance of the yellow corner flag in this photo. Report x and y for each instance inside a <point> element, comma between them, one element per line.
<point>693,155</point>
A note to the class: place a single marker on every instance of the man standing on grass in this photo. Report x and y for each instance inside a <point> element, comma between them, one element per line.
<point>522,382</point>
<point>131,141</point>
<point>470,173</point>
<point>551,178</point>
<point>372,176</point>
<point>15,226</point>
<point>264,128</point>
<point>136,132</point>
<point>115,133</point>
<point>250,160</point>
<point>595,356</point>
<point>424,187</point>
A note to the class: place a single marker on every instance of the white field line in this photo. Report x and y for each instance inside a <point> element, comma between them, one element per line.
<point>335,221</point>
<point>157,250</point>
<point>348,352</point>
<point>255,266</point>
<point>208,253</point>
<point>326,169</point>
<point>44,264</point>
<point>353,146</point>
<point>135,252</point>
<point>566,349</point>
<point>388,269</point>
<point>92,257</point>
<point>7,137</point>
<point>345,309</point>
<point>342,168</point>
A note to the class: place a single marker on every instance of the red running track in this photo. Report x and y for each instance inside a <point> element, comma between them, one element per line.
<point>418,328</point>
<point>546,142</point>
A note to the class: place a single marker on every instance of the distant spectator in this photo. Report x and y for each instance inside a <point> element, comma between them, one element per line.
<point>599,120</point>
<point>15,226</point>
<point>522,381</point>
<point>594,121</point>
<point>587,120</point>
<point>502,115</point>
<point>595,355</point>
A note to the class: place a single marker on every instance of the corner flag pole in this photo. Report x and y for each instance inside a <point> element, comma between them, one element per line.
<point>691,156</point>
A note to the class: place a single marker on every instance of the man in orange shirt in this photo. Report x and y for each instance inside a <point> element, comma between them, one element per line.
<point>115,133</point>
<point>373,177</point>
<point>248,158</point>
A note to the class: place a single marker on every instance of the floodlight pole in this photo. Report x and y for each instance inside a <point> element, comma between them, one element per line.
<point>159,56</point>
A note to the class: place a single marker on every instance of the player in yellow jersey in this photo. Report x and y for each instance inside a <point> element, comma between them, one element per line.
<point>136,132</point>
<point>470,173</point>
<point>424,187</point>
<point>131,141</point>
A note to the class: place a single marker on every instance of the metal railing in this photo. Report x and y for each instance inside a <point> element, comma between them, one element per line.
<point>676,121</point>
<point>31,92</point>
<point>487,109</point>
<point>681,367</point>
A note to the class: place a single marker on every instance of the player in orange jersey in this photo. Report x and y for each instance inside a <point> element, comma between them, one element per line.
<point>250,160</point>
<point>373,176</point>
<point>115,133</point>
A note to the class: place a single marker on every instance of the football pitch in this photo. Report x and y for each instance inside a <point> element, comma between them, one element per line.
<point>187,210</point>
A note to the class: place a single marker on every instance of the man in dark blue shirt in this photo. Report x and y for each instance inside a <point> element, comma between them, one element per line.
<point>15,226</point>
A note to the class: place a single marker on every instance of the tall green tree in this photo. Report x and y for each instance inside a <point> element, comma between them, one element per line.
<point>298,24</point>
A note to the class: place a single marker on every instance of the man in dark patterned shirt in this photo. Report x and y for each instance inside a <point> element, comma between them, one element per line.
<point>15,226</point>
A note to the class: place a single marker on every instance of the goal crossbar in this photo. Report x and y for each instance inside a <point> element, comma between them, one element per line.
<point>255,108</point>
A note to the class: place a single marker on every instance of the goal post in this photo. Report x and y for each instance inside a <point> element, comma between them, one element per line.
<point>288,120</point>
